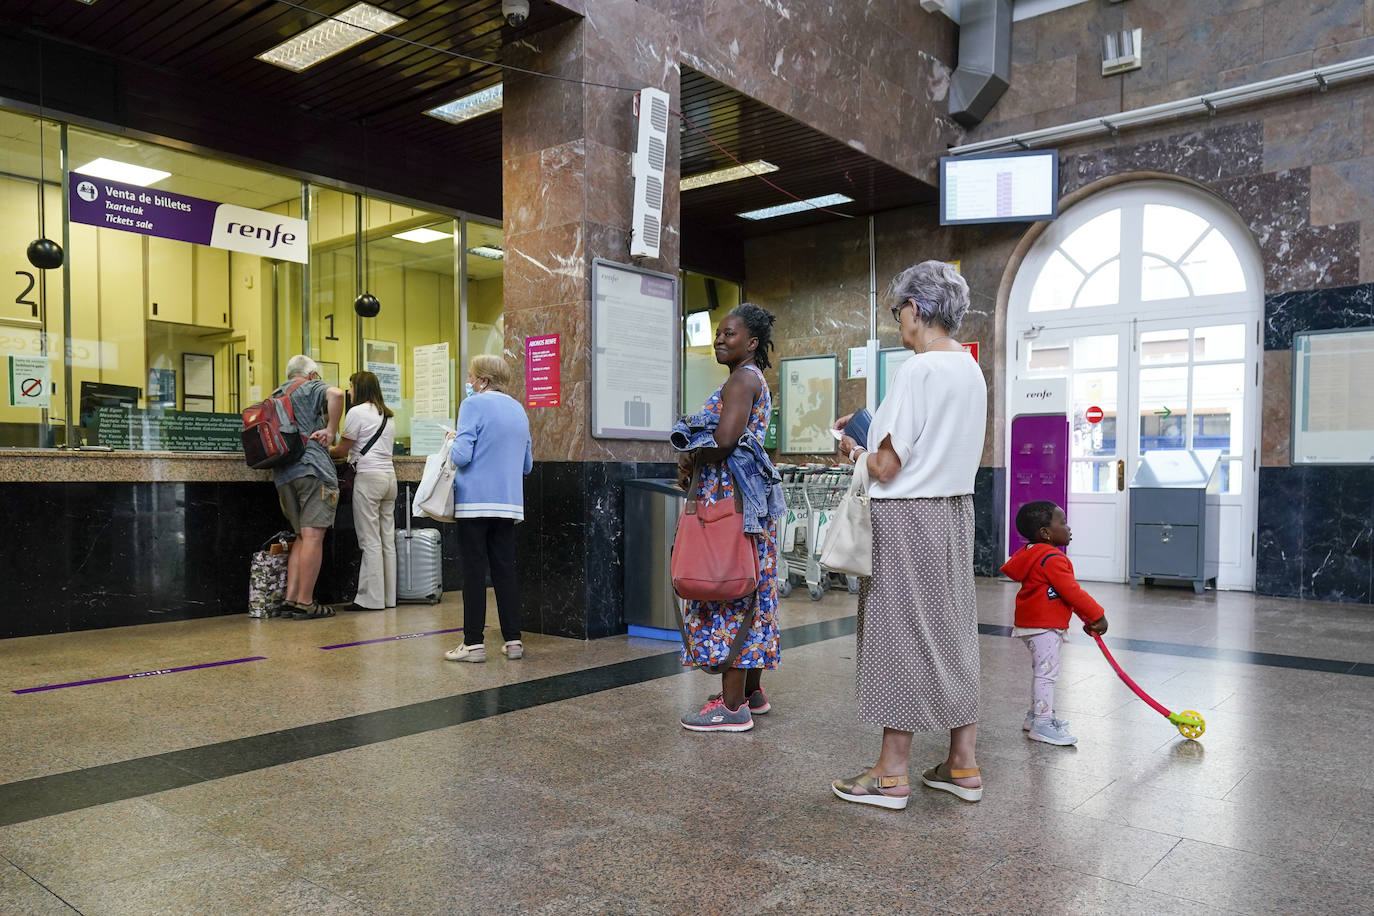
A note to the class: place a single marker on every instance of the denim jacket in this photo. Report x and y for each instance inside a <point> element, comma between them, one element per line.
<point>758,481</point>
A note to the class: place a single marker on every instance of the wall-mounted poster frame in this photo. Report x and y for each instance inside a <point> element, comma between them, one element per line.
<point>197,381</point>
<point>1333,416</point>
<point>810,386</point>
<point>890,359</point>
<point>636,344</point>
<point>329,373</point>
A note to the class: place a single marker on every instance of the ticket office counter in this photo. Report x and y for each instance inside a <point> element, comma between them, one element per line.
<point>105,539</point>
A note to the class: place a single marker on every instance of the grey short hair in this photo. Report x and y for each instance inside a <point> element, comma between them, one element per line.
<point>301,366</point>
<point>940,294</point>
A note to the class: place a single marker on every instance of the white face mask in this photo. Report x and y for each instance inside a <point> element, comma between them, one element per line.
<point>468,390</point>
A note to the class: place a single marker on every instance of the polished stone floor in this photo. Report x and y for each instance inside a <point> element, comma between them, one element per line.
<point>378,778</point>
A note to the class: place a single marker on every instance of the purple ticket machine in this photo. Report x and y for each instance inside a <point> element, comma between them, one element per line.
<point>1039,439</point>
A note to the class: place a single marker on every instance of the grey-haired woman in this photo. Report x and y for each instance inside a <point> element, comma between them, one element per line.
<point>917,652</point>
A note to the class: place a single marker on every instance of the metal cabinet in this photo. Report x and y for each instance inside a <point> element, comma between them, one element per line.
<point>1175,507</point>
<point>652,507</point>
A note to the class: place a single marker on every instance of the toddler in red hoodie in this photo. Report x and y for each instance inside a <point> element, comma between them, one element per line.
<point>1049,592</point>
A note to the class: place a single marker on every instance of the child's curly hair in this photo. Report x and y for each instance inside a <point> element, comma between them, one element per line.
<point>1033,516</point>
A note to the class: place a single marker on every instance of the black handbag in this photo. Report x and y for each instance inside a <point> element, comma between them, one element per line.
<point>347,471</point>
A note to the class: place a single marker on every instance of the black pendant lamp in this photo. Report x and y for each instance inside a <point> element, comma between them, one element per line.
<point>43,252</point>
<point>366,305</point>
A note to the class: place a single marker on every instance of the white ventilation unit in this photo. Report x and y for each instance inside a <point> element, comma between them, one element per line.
<point>1120,51</point>
<point>651,157</point>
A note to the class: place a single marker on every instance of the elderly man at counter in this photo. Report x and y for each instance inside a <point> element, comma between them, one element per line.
<point>308,488</point>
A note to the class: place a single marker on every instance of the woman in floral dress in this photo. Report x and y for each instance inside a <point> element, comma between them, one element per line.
<point>740,408</point>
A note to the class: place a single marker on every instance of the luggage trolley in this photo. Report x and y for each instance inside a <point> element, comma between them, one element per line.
<point>793,555</point>
<point>824,488</point>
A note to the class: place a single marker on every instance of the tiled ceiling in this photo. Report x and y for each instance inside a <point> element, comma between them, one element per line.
<point>386,83</point>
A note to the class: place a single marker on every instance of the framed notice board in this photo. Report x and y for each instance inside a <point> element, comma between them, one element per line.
<point>636,343</point>
<point>1333,414</point>
<point>809,385</point>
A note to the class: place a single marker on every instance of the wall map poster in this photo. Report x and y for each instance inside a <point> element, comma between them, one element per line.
<point>809,385</point>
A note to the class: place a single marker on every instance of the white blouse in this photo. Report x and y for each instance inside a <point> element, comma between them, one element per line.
<point>936,412</point>
<point>360,425</point>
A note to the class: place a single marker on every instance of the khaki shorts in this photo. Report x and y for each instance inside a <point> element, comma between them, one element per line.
<point>307,503</point>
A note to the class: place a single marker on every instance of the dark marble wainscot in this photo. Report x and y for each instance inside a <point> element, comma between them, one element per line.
<point>1286,314</point>
<point>571,545</point>
<point>989,538</point>
<point>1316,533</point>
<point>114,539</point>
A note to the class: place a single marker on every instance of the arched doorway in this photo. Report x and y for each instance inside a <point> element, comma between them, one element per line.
<point>1148,299</point>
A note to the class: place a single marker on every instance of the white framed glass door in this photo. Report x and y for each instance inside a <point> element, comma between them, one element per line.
<point>1147,298</point>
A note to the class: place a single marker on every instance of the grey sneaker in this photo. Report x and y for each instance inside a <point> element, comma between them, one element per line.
<point>1054,720</point>
<point>514,649</point>
<point>1050,733</point>
<point>715,717</point>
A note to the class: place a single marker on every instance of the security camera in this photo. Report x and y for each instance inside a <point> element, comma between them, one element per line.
<point>516,12</point>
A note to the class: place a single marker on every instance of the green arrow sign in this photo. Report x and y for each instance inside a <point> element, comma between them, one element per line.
<point>1165,413</point>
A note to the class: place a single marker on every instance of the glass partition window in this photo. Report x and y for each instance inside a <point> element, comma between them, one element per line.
<point>705,301</point>
<point>176,328</point>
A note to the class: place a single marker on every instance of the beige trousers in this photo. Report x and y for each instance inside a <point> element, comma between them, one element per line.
<point>374,521</point>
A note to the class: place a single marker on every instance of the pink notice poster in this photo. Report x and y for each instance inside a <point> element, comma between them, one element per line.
<point>542,388</point>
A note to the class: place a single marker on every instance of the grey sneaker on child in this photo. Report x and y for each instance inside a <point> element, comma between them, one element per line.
<point>1050,733</point>
<point>1030,720</point>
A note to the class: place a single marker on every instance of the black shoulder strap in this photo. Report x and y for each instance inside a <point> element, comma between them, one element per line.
<point>375,436</point>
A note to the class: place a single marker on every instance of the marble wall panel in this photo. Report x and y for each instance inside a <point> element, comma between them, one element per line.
<point>1207,154</point>
<point>1285,314</point>
<point>1338,528</point>
<point>1343,191</point>
<point>1326,128</point>
<point>1210,45</point>
<point>1279,547</point>
<point>546,188</point>
<point>1276,413</point>
<point>1043,85</point>
<point>1292,26</point>
<point>545,265</point>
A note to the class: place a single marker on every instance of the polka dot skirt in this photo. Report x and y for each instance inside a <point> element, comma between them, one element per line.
<point>918,617</point>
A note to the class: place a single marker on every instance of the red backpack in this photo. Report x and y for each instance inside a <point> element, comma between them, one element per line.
<point>270,435</point>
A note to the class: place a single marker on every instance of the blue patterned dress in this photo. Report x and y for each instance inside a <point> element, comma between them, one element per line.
<point>712,625</point>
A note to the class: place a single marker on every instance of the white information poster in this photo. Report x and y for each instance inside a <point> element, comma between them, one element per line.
<point>389,377</point>
<point>427,435</point>
<point>432,385</point>
<point>30,382</point>
<point>636,339</point>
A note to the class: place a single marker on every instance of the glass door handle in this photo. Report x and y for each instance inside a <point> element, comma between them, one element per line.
<point>1120,474</point>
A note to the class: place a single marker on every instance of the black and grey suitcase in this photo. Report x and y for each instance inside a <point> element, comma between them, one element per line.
<point>419,562</point>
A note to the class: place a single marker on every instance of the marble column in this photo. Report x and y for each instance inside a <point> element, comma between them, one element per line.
<point>567,187</point>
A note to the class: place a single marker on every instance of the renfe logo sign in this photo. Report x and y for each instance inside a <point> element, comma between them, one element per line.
<point>111,205</point>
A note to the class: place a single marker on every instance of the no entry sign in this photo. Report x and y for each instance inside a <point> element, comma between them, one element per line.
<point>1093,414</point>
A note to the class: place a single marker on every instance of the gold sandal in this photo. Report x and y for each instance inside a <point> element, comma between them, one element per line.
<point>942,777</point>
<point>868,790</point>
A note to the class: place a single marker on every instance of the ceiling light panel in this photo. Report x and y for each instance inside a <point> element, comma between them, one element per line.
<point>829,200</point>
<point>323,40</point>
<point>423,236</point>
<point>490,252</point>
<point>123,172</point>
<point>471,106</point>
<point>720,176</point>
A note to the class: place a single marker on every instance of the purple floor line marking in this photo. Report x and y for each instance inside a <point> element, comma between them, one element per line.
<point>127,677</point>
<point>368,642</point>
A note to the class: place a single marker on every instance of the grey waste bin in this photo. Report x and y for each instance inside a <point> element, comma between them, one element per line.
<point>652,507</point>
<point>1175,514</point>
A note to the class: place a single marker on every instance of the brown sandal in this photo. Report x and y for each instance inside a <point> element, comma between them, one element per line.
<point>942,777</point>
<point>868,790</point>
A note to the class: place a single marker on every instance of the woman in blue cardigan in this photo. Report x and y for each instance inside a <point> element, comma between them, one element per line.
<point>493,453</point>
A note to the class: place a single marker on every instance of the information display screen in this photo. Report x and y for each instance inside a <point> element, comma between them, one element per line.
<point>999,188</point>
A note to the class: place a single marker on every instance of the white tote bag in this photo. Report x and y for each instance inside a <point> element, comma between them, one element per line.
<point>848,544</point>
<point>434,495</point>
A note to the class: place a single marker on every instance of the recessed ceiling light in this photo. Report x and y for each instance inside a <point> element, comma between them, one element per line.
<point>87,2</point>
<point>829,200</point>
<point>423,236</point>
<point>490,252</point>
<point>720,176</point>
<point>353,26</point>
<point>473,105</point>
<point>124,172</point>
